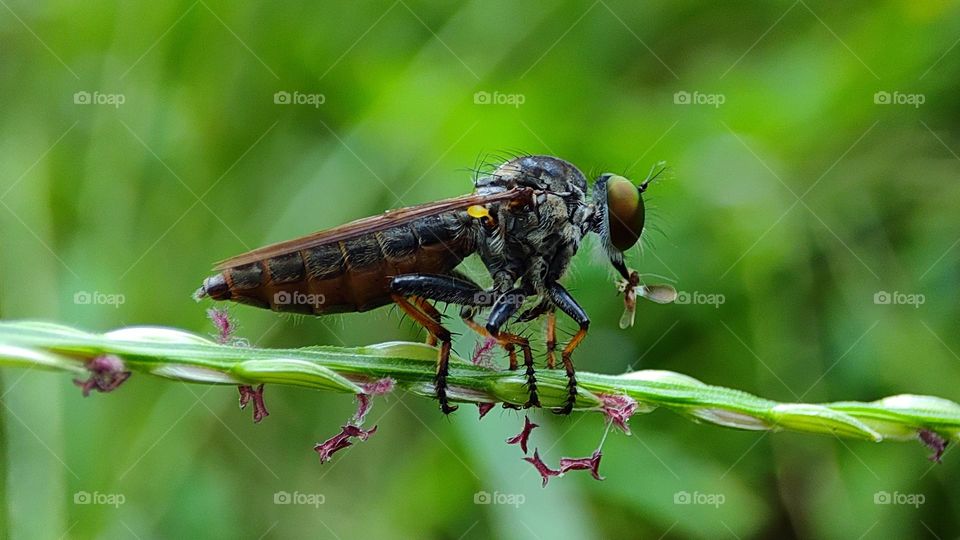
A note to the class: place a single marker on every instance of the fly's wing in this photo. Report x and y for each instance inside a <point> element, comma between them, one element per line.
<point>390,218</point>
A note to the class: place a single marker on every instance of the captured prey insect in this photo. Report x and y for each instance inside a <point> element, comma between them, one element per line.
<point>525,220</point>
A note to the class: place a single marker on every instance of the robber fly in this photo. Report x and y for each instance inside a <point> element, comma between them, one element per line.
<point>525,220</point>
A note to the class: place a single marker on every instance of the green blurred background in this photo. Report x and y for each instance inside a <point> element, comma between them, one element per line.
<point>797,194</point>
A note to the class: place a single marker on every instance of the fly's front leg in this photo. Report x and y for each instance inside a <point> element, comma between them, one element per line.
<point>562,299</point>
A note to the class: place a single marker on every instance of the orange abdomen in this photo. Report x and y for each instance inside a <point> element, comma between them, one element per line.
<point>349,275</point>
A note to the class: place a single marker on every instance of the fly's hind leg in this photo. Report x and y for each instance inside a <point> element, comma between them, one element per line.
<point>442,288</point>
<point>431,312</point>
<point>439,333</point>
<point>461,291</point>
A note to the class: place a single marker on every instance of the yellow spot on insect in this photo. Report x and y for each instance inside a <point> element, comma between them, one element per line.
<point>477,211</point>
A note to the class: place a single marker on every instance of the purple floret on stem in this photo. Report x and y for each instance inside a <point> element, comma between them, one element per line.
<point>524,436</point>
<point>352,429</point>
<point>591,464</point>
<point>933,441</point>
<point>545,471</point>
<point>619,408</point>
<point>107,373</point>
<point>250,394</point>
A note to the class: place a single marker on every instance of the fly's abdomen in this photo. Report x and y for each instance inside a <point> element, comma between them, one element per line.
<point>349,275</point>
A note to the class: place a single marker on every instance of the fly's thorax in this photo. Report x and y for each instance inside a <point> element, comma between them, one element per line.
<point>544,173</point>
<point>552,212</point>
<point>534,242</point>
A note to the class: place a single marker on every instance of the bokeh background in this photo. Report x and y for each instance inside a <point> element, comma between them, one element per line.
<point>814,170</point>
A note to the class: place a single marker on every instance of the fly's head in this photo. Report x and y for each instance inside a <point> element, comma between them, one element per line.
<point>619,216</point>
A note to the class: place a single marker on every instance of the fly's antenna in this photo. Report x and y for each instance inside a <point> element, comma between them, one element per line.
<point>651,176</point>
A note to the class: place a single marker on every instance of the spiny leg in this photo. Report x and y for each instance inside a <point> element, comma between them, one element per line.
<point>443,360</point>
<point>562,299</point>
<point>504,308</point>
<point>443,288</point>
<point>460,290</point>
<point>431,312</point>
<point>545,307</point>
<point>571,372</point>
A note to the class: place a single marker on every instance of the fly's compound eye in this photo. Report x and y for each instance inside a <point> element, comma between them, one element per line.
<point>625,212</point>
